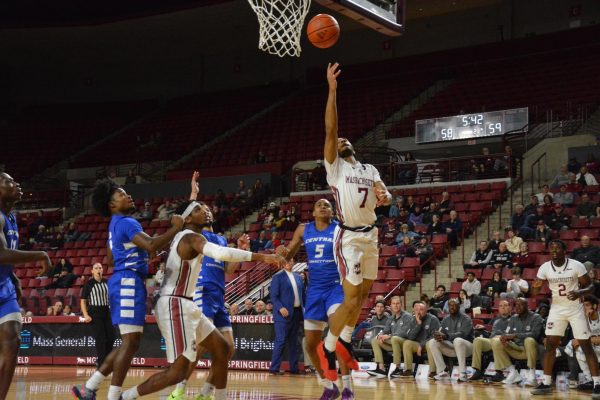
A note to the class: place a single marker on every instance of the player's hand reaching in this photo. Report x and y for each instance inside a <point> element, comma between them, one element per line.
<point>274,259</point>
<point>573,295</point>
<point>194,186</point>
<point>333,72</point>
<point>282,251</point>
<point>537,283</point>
<point>243,242</point>
<point>383,197</point>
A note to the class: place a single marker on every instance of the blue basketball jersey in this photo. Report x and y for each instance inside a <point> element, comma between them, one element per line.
<point>11,233</point>
<point>126,255</point>
<point>212,274</point>
<point>322,269</point>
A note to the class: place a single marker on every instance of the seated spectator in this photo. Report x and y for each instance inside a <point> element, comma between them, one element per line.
<point>545,192</point>
<point>585,178</point>
<point>259,243</point>
<point>471,285</point>
<point>407,170</point>
<point>146,213</point>
<point>165,210</point>
<point>395,208</point>
<point>453,228</point>
<point>515,287</point>
<point>234,309</point>
<point>518,221</point>
<point>71,233</point>
<point>587,254</point>
<point>404,231</point>
<point>68,311</point>
<point>542,233</point>
<point>280,220</point>
<point>160,274</point>
<point>436,226</point>
<point>416,217</point>
<point>62,263</point>
<point>424,250</point>
<point>439,298</point>
<point>480,257</point>
<point>274,243</point>
<point>55,310</point>
<point>406,249</point>
<point>64,281</point>
<point>389,233</point>
<point>558,220</point>
<point>40,235</point>
<point>464,302</point>
<point>533,219</point>
<point>513,243</point>
<point>445,205</point>
<point>532,206</point>
<point>523,259</point>
<point>501,258</point>
<point>248,308</point>
<point>563,197</point>
<point>561,179</point>
<point>410,205</point>
<point>269,308</point>
<point>548,205</point>
<point>430,212</point>
<point>586,208</point>
<point>421,329</point>
<point>494,242</point>
<point>261,308</point>
<point>496,286</point>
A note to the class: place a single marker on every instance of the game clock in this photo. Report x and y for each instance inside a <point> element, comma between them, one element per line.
<point>471,126</point>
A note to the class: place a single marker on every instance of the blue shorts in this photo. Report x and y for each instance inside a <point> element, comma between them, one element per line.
<point>8,298</point>
<point>127,296</point>
<point>212,304</point>
<point>320,299</point>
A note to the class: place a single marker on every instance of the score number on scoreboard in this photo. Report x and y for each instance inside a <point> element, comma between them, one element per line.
<point>471,126</point>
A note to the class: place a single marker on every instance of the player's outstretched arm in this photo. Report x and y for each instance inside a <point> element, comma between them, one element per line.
<point>154,244</point>
<point>384,197</point>
<point>331,121</point>
<point>292,248</point>
<point>536,286</point>
<point>243,243</point>
<point>586,287</point>
<point>10,256</point>
<point>195,186</point>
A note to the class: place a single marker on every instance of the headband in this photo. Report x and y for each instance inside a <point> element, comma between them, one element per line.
<point>189,209</point>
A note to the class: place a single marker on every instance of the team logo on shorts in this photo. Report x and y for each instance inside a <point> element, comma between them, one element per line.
<point>194,347</point>
<point>357,269</point>
<point>550,325</point>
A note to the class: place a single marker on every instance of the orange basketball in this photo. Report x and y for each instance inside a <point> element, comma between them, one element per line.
<point>323,31</point>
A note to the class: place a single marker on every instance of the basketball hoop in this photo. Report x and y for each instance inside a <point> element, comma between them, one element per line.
<point>281,24</point>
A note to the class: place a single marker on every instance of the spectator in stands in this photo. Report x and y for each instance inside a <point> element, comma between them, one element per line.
<point>454,339</point>
<point>406,248</point>
<point>494,242</point>
<point>445,205</point>
<point>259,243</point>
<point>220,199</point>
<point>545,192</point>
<point>430,212</point>
<point>483,344</point>
<point>416,217</point>
<point>404,231</point>
<point>407,170</point>
<point>548,205</point>
<point>515,287</point>
<point>269,308</point>
<point>410,205</point>
<point>419,331</point>
<point>248,308</point>
<point>507,162</point>
<point>131,178</point>
<point>521,343</point>
<point>518,220</point>
<point>62,263</point>
<point>165,211</point>
<point>68,311</point>
<point>395,208</point>
<point>542,233</point>
<point>563,197</point>
<point>391,338</point>
<point>513,242</point>
<point>585,178</point>
<point>532,206</point>
<point>55,310</point>
<point>280,220</point>
<point>523,259</point>
<point>586,208</point>
<point>562,178</point>
<point>472,286</point>
<point>439,298</point>
<point>480,257</point>
<point>64,281</point>
<point>573,165</point>
<point>39,236</point>
<point>291,224</point>
<point>591,163</point>
<point>424,250</point>
<point>160,274</point>
<point>146,214</point>
<point>260,308</point>
<point>453,228</point>
<point>242,190</point>
<point>234,309</point>
<point>573,186</point>
<point>587,254</point>
<point>403,217</point>
<point>558,220</point>
<point>275,241</point>
<point>501,258</point>
<point>389,233</point>
<point>377,320</point>
<point>496,286</point>
<point>533,219</point>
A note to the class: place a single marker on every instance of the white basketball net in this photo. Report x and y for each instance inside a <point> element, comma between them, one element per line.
<point>281,24</point>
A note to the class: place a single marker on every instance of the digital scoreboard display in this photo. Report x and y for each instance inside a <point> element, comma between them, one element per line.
<point>471,126</point>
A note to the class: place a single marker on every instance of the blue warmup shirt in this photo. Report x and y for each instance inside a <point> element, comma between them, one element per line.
<point>126,255</point>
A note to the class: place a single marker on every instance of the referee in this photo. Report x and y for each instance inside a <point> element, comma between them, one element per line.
<point>94,306</point>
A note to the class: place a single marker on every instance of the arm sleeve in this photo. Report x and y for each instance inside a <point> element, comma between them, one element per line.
<point>496,329</point>
<point>414,330</point>
<point>85,293</point>
<point>536,329</point>
<point>388,327</point>
<point>488,258</point>
<point>129,227</point>
<point>473,257</point>
<point>275,294</point>
<point>228,254</point>
<point>433,327</point>
<point>477,288</point>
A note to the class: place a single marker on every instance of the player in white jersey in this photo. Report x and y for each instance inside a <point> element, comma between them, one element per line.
<point>358,190</point>
<point>181,322</point>
<point>569,282</point>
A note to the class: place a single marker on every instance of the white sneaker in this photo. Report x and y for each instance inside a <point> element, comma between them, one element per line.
<point>463,377</point>
<point>441,376</point>
<point>512,378</point>
<point>531,379</point>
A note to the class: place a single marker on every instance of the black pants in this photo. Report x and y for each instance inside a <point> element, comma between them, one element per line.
<point>104,332</point>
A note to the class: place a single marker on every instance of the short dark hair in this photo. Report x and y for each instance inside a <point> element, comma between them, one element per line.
<point>380,302</point>
<point>103,191</point>
<point>470,273</point>
<point>591,299</point>
<point>441,286</point>
<point>419,302</point>
<point>560,243</point>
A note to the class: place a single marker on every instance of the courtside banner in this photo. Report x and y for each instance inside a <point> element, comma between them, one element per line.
<point>69,341</point>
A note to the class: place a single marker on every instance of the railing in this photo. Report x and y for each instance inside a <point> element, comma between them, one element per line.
<point>538,164</point>
<point>247,281</point>
<point>399,288</point>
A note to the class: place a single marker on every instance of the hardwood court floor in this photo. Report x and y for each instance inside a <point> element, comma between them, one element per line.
<point>41,383</point>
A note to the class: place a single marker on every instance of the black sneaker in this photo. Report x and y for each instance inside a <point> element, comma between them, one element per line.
<point>586,386</point>
<point>541,389</point>
<point>378,373</point>
<point>498,377</point>
<point>396,373</point>
<point>596,392</point>
<point>477,376</point>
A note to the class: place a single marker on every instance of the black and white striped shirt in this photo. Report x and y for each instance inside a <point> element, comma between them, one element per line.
<point>96,293</point>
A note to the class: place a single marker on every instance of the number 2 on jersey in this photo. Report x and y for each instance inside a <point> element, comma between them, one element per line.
<point>366,192</point>
<point>561,290</point>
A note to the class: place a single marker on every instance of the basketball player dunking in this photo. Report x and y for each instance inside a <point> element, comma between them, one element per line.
<point>358,190</point>
<point>324,294</point>
<point>569,282</point>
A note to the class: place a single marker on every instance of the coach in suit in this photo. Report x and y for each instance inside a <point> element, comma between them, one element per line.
<point>286,294</point>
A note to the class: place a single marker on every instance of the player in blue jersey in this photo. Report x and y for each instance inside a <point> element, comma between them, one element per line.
<point>325,292</point>
<point>128,250</point>
<point>10,288</point>
<point>210,293</point>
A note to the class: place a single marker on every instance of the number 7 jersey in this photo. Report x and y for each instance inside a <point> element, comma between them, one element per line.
<point>354,191</point>
<point>562,280</point>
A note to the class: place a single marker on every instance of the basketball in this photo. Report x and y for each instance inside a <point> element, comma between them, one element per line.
<point>323,31</point>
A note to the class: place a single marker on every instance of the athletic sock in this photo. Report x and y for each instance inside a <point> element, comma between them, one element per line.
<point>181,385</point>
<point>95,380</point>
<point>547,380</point>
<point>346,334</point>
<point>347,382</point>
<point>326,383</point>
<point>596,380</point>
<point>220,394</point>
<point>330,342</point>
<point>207,389</point>
<point>131,394</point>
<point>114,392</point>
<point>511,368</point>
